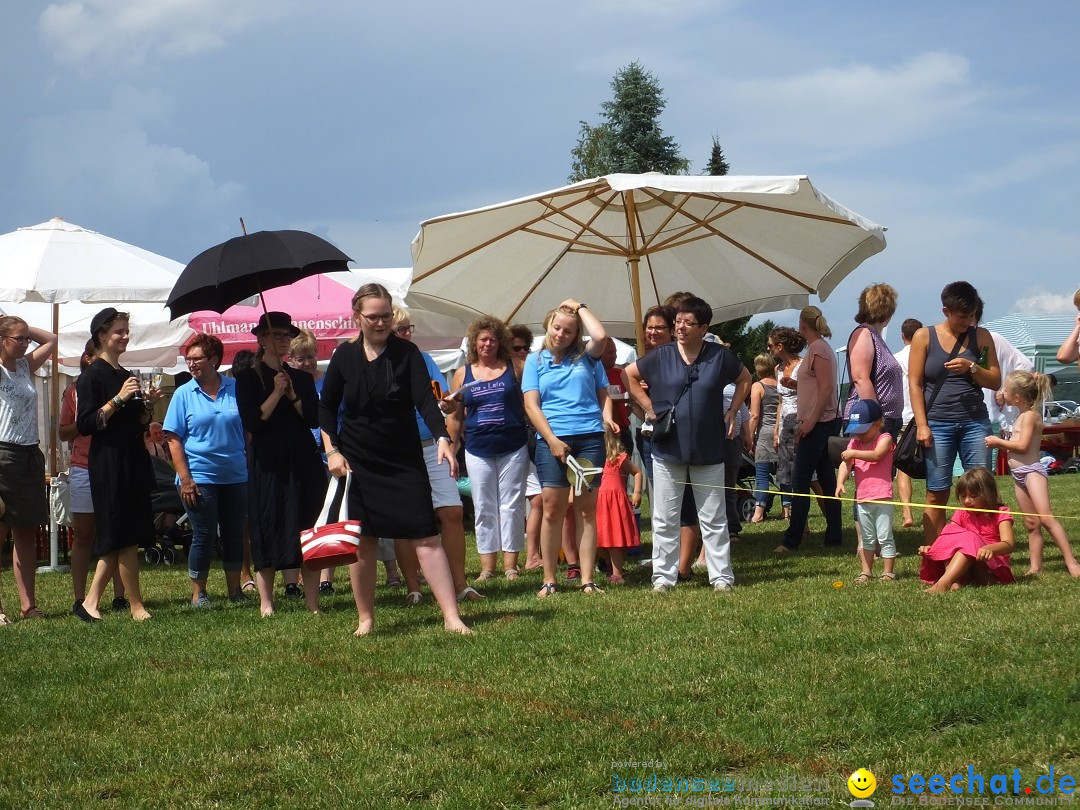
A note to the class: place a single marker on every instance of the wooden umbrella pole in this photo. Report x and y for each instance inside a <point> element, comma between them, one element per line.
<point>635,281</point>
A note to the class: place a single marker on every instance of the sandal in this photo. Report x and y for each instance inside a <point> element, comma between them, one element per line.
<point>546,590</point>
<point>32,613</point>
<point>393,583</point>
<point>249,585</point>
<point>413,598</point>
<point>469,593</point>
<point>485,575</point>
<point>888,576</point>
<point>590,588</point>
<point>4,620</point>
<point>861,579</point>
<point>573,572</point>
<point>512,573</point>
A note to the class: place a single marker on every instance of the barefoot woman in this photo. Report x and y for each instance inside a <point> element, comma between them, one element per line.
<point>381,379</point>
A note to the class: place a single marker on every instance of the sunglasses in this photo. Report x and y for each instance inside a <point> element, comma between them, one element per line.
<point>521,348</point>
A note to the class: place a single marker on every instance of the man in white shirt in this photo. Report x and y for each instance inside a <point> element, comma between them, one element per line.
<point>903,480</point>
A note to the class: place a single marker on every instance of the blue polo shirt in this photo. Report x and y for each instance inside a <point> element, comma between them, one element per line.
<point>211,432</point>
<point>567,391</point>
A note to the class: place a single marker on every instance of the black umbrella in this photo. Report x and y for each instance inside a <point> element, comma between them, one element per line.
<point>245,266</point>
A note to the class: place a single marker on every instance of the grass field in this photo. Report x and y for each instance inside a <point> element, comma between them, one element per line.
<point>787,677</point>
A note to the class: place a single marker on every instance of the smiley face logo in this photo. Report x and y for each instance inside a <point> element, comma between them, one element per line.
<point>862,784</point>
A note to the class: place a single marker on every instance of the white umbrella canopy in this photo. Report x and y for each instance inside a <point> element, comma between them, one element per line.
<point>57,262</point>
<point>624,242</point>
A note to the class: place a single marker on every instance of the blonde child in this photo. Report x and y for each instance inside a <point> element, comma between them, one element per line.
<point>974,546</point>
<point>1025,390</point>
<point>870,455</point>
<point>616,529</point>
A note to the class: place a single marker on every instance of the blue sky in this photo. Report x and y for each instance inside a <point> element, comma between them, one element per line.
<point>956,125</point>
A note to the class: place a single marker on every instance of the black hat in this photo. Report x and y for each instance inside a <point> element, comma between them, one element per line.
<point>275,320</point>
<point>101,319</point>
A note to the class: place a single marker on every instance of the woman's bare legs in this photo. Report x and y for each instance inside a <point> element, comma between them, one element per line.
<point>127,560</point>
<point>24,563</point>
<point>903,489</point>
<point>409,565</point>
<point>532,533</point>
<point>585,517</point>
<point>555,503</point>
<point>933,520</point>
<point>265,582</point>
<point>362,576</point>
<point>436,568</point>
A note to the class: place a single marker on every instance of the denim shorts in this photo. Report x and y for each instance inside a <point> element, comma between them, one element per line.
<point>552,474</point>
<point>966,439</point>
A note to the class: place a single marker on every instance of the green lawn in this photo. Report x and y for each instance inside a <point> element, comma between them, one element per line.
<point>787,677</point>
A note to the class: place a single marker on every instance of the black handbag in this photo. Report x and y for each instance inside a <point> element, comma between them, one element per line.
<point>663,426</point>
<point>909,456</point>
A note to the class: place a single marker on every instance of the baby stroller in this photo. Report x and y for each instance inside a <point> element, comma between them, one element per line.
<point>170,521</point>
<point>746,481</point>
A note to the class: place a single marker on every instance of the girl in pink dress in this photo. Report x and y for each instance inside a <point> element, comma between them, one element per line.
<point>616,529</point>
<point>974,547</point>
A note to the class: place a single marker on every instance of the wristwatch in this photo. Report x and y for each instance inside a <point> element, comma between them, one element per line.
<point>971,368</point>
<point>579,308</point>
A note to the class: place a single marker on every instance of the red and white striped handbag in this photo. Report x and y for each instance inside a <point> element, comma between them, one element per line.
<point>326,545</point>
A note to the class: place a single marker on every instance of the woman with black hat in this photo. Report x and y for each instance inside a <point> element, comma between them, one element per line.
<point>22,464</point>
<point>113,409</point>
<point>286,481</point>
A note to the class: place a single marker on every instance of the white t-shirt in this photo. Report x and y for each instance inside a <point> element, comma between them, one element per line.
<point>18,405</point>
<point>902,357</point>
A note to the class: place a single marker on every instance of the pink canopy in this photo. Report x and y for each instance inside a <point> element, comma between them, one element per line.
<point>317,303</point>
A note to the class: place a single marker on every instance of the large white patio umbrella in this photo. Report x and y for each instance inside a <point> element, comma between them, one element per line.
<point>58,262</point>
<point>624,242</point>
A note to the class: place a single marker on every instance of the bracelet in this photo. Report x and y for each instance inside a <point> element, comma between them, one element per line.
<point>444,439</point>
<point>331,451</point>
<point>971,369</point>
<point>294,400</point>
<point>117,402</point>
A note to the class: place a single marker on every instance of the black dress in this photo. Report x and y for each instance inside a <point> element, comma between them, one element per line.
<point>286,477</point>
<point>390,493</point>
<point>118,464</point>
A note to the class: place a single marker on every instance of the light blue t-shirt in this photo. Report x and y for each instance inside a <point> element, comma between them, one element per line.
<point>211,432</point>
<point>567,391</point>
<point>437,376</point>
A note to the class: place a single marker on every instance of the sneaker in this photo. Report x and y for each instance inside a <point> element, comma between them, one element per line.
<point>201,601</point>
<point>723,587</point>
<point>661,587</point>
<point>326,588</point>
<point>120,603</point>
<point>240,598</point>
<point>292,591</point>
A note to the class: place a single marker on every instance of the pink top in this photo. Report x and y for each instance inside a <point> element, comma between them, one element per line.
<point>817,378</point>
<point>80,445</point>
<point>873,479</point>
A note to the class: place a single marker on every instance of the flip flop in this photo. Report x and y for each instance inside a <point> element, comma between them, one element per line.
<point>249,586</point>
<point>469,593</point>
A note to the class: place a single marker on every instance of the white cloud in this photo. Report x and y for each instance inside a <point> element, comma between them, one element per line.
<point>127,31</point>
<point>834,110</point>
<point>106,160</point>
<point>1040,302</point>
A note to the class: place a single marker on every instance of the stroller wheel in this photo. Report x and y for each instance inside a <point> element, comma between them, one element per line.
<point>746,507</point>
<point>168,555</point>
<point>152,555</point>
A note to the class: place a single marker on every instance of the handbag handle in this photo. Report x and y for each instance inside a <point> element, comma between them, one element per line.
<point>331,493</point>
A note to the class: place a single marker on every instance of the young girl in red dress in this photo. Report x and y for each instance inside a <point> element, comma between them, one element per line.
<point>616,530</point>
<point>974,546</point>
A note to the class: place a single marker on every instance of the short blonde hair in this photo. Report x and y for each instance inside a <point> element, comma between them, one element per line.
<point>877,304</point>
<point>765,365</point>
<point>305,342</point>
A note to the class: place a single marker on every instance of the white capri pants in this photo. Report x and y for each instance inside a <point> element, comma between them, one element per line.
<point>707,482</point>
<point>498,492</point>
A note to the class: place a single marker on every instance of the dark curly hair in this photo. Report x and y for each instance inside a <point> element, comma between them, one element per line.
<point>788,338</point>
<point>489,323</point>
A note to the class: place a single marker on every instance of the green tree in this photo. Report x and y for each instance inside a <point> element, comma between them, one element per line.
<point>746,343</point>
<point>628,138</point>
<point>717,165</point>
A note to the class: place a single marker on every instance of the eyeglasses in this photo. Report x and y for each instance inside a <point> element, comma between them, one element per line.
<point>687,324</point>
<point>384,317</point>
<point>194,361</point>
<point>521,348</point>
<point>22,340</point>
<point>657,328</point>
<point>281,335</point>
<point>405,329</point>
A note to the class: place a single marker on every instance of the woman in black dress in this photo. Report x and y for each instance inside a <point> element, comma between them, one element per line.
<point>286,481</point>
<point>381,379</point>
<point>115,412</point>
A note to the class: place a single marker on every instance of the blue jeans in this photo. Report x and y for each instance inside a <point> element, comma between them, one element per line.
<point>968,439</point>
<point>761,484</point>
<point>552,473</point>
<point>219,505</point>
<point>812,455</point>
